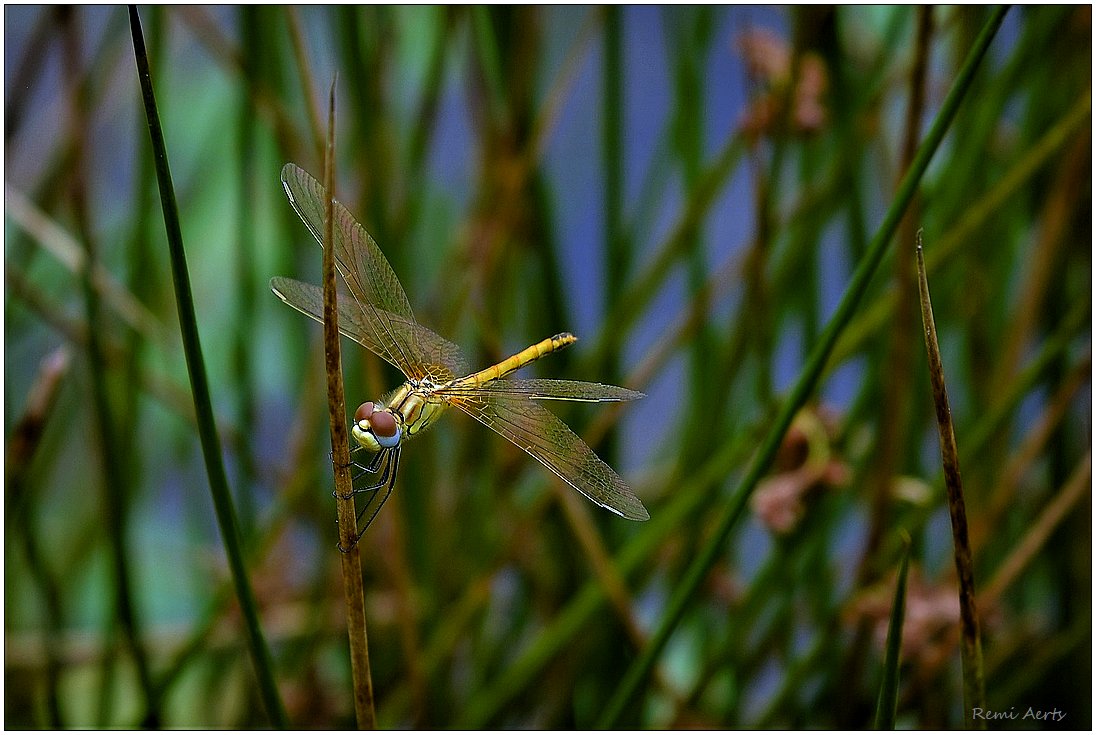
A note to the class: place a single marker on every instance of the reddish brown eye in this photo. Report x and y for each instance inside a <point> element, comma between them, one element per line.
<point>364,411</point>
<point>383,424</point>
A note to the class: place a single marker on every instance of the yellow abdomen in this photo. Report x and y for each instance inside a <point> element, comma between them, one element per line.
<point>521,359</point>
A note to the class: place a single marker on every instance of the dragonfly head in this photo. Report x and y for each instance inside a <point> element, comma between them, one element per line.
<point>376,428</point>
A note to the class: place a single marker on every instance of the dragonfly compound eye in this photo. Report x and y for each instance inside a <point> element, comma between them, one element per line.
<point>384,426</point>
<point>364,412</point>
<point>385,429</point>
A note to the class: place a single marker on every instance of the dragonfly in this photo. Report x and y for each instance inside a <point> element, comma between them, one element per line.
<point>376,314</point>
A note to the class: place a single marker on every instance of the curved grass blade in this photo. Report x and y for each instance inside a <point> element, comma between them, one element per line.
<point>886,708</point>
<point>806,382</point>
<point>207,429</point>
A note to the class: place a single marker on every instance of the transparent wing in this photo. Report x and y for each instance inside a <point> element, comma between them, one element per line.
<point>544,389</point>
<point>373,284</point>
<point>540,433</point>
<point>359,324</point>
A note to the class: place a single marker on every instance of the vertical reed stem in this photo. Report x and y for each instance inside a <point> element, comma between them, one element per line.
<point>974,686</point>
<point>340,454</point>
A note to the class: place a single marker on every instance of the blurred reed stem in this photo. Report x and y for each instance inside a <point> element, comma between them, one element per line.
<point>366,34</point>
<point>409,210</point>
<point>896,373</point>
<point>51,237</point>
<point>690,31</point>
<point>974,216</point>
<point>117,491</point>
<point>989,426</point>
<point>1009,477</point>
<point>684,592</point>
<point>1056,233</point>
<point>304,73</point>
<point>482,708</point>
<point>245,332</point>
<point>644,286</point>
<point>27,70</point>
<point>616,249</point>
<point>143,282</point>
<point>207,430</point>
<point>487,51</point>
<point>1039,532</point>
<point>21,513</point>
<point>267,104</point>
<point>845,104</point>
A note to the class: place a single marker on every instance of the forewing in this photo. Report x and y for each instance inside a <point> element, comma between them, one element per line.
<point>362,326</point>
<point>540,433</point>
<point>373,284</point>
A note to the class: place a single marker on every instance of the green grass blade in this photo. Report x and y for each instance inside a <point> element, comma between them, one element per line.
<point>888,689</point>
<point>207,429</point>
<point>806,382</point>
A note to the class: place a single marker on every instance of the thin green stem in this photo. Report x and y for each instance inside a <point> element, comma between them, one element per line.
<point>243,343</point>
<point>203,409</point>
<point>691,32</point>
<point>490,63</point>
<point>612,133</point>
<point>887,706</point>
<point>646,285</point>
<point>805,384</point>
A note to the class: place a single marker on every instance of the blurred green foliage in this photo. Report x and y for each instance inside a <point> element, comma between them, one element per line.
<point>685,189</point>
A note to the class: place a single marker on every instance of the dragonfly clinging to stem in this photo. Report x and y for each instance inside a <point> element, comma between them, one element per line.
<point>377,315</point>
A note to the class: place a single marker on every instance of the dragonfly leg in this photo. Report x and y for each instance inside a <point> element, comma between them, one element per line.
<point>356,453</point>
<point>388,481</point>
<point>370,468</point>
<point>381,462</point>
<point>331,456</point>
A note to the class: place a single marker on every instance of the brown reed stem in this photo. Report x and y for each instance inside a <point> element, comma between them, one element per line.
<point>974,686</point>
<point>340,452</point>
